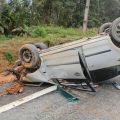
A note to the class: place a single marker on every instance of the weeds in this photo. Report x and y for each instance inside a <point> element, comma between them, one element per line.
<point>3,37</point>
<point>9,57</point>
<point>39,32</point>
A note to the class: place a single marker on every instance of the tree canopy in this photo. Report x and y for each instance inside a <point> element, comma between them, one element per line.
<point>69,13</point>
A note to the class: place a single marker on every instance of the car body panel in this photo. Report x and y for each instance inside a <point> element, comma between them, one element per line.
<point>62,61</point>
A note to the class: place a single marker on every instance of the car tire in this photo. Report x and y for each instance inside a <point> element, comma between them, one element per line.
<point>29,56</point>
<point>105,28</point>
<point>115,31</point>
<point>41,46</point>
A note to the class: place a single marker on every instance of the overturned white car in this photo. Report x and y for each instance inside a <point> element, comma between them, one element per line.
<point>90,60</point>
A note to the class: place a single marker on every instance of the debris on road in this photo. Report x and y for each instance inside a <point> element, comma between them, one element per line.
<point>14,89</point>
<point>6,79</point>
<point>13,76</point>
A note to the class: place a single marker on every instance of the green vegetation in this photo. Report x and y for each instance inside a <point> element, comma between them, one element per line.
<point>17,15</point>
<point>3,37</point>
<point>39,32</point>
<point>9,57</point>
<point>51,35</point>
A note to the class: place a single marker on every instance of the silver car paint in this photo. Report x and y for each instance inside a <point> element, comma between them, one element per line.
<point>62,61</point>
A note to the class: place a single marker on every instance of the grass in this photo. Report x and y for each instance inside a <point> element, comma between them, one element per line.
<point>51,35</point>
<point>8,56</point>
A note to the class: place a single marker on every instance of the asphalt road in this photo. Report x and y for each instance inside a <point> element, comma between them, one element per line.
<point>102,105</point>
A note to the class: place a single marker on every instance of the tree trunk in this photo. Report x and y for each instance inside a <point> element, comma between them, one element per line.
<point>85,21</point>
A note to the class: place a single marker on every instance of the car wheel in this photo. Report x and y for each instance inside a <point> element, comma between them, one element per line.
<point>41,46</point>
<point>29,56</point>
<point>105,28</point>
<point>115,31</point>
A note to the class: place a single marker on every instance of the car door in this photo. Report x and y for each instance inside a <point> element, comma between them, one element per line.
<point>64,64</point>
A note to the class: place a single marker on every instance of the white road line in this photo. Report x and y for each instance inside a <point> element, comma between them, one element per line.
<point>26,99</point>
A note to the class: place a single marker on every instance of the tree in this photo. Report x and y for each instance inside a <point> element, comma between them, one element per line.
<point>85,21</point>
<point>14,15</point>
<point>67,13</point>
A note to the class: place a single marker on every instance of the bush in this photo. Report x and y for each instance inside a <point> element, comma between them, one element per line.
<point>9,57</point>
<point>39,31</point>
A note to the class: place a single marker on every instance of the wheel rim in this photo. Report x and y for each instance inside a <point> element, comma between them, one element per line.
<point>27,56</point>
